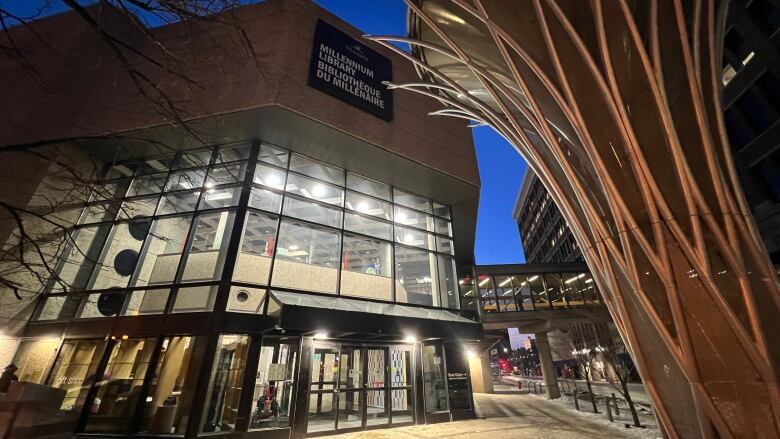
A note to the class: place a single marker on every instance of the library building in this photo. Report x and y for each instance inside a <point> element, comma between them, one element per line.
<point>284,264</point>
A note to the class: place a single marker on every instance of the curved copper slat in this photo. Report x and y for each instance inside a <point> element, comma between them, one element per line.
<point>574,224</point>
<point>711,230</point>
<point>654,320</point>
<point>676,312</point>
<point>696,258</point>
<point>742,337</point>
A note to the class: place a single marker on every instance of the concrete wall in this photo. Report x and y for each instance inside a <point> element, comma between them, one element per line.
<point>260,57</point>
<point>481,376</point>
<point>43,188</point>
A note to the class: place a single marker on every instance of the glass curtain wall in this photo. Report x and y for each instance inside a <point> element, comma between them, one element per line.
<point>154,235</point>
<point>527,292</point>
<point>151,227</point>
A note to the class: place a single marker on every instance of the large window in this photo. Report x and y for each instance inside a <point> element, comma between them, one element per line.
<point>528,292</point>
<point>208,246</point>
<point>253,264</point>
<point>448,286</point>
<point>307,257</point>
<point>162,252</point>
<point>367,268</point>
<point>415,274</point>
<point>120,255</point>
<point>158,230</point>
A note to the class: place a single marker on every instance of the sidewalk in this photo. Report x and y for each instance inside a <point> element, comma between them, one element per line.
<point>513,416</point>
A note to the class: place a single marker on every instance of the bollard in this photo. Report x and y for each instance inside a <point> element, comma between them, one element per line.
<point>614,399</point>
<point>576,403</point>
<point>609,412</point>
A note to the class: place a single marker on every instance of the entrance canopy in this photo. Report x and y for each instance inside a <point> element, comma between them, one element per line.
<point>338,316</point>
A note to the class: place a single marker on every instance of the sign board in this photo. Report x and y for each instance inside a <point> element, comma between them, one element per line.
<point>451,376</point>
<point>277,372</point>
<point>347,69</point>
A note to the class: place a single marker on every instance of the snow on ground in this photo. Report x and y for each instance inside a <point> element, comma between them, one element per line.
<point>566,403</point>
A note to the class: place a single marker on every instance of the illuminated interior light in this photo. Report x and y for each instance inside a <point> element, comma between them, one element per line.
<point>748,58</point>
<point>318,190</point>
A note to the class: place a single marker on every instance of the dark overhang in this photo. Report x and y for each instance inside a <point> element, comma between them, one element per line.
<point>339,316</point>
<point>545,320</point>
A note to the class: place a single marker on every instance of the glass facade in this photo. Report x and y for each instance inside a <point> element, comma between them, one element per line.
<point>155,237</point>
<point>530,291</point>
<point>215,232</point>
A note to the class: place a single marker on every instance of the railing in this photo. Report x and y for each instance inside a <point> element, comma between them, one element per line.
<point>605,401</point>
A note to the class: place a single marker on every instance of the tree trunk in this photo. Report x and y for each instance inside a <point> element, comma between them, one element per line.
<point>592,396</point>
<point>630,402</point>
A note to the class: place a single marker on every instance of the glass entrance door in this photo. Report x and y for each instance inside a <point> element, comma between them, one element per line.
<point>323,389</point>
<point>359,387</point>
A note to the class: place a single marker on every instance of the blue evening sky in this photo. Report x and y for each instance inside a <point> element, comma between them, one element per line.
<point>500,167</point>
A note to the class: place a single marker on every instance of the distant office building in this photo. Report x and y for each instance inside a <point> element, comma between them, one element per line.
<point>543,230</point>
<point>547,239</point>
<point>529,343</point>
<point>751,98</point>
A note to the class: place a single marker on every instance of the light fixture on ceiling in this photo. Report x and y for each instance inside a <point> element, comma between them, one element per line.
<point>318,190</point>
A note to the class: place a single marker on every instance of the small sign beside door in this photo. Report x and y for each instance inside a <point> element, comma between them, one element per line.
<point>277,372</point>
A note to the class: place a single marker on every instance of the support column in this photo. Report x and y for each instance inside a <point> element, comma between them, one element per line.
<point>481,377</point>
<point>548,369</point>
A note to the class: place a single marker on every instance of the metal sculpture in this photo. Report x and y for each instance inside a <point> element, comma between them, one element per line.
<point>615,104</point>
